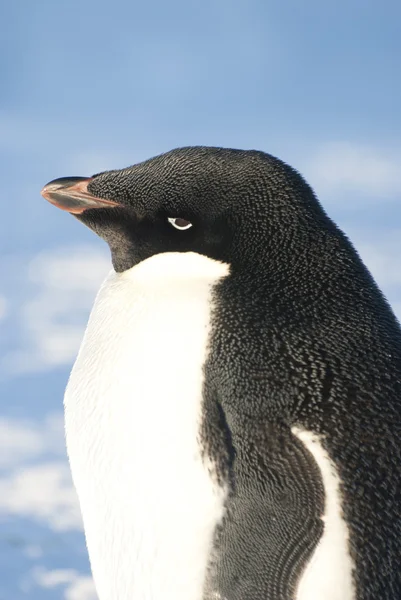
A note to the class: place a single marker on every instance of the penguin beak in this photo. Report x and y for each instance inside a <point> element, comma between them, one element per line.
<point>71,194</point>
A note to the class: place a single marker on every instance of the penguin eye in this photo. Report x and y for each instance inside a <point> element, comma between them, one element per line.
<point>180,224</point>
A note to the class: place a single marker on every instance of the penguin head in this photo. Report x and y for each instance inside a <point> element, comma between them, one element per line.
<point>229,205</point>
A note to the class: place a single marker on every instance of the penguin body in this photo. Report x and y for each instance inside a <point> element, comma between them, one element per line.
<point>234,415</point>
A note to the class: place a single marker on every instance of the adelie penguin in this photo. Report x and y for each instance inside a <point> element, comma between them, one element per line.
<point>233,419</point>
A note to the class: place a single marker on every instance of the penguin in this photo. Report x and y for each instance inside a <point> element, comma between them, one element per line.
<point>233,417</point>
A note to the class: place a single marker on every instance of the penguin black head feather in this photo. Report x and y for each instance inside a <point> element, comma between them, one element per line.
<point>230,205</point>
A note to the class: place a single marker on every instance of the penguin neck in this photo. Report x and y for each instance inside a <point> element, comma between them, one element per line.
<point>166,268</point>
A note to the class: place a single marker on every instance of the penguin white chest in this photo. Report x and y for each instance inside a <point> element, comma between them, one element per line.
<point>133,408</point>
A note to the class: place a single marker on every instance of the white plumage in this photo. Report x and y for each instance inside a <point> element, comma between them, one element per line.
<point>133,407</point>
<point>328,576</point>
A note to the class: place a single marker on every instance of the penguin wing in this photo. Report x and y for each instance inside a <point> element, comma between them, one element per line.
<point>273,519</point>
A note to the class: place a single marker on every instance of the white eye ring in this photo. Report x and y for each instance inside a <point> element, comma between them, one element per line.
<point>179,223</point>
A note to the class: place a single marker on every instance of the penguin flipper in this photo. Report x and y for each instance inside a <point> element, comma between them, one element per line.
<point>273,518</point>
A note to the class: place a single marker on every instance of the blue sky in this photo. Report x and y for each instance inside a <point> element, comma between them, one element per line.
<point>87,86</point>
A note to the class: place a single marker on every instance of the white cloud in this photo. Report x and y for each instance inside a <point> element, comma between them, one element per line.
<point>42,492</point>
<point>35,480</point>
<point>22,441</point>
<point>65,282</point>
<point>76,586</point>
<point>347,167</point>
